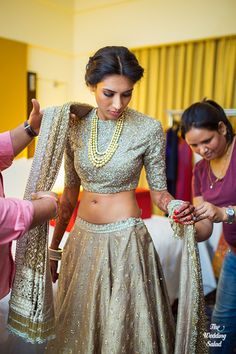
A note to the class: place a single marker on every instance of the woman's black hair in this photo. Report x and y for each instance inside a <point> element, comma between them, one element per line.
<point>112,60</point>
<point>205,115</point>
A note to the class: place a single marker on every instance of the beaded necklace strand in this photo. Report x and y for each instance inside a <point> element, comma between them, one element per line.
<point>212,183</point>
<point>97,158</point>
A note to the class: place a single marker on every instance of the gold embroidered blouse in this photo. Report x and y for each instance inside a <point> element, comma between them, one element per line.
<point>142,143</point>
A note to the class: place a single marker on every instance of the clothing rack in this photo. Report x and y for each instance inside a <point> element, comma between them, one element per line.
<point>172,113</point>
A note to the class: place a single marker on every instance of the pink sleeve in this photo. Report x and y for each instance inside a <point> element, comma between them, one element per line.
<point>6,150</point>
<point>15,218</point>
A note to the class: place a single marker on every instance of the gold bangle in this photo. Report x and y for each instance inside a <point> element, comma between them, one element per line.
<point>55,255</point>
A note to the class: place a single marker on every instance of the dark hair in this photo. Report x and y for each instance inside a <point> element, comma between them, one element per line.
<point>205,115</point>
<point>112,60</point>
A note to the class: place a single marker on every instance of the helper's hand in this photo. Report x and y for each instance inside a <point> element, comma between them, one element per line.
<point>35,117</point>
<point>44,194</point>
<point>184,214</point>
<point>80,110</point>
<point>209,211</point>
<point>50,196</point>
<point>45,207</point>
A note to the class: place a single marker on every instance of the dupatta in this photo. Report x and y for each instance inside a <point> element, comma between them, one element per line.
<point>31,313</point>
<point>191,326</point>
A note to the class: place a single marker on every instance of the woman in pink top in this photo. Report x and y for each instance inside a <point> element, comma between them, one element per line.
<point>17,216</point>
<point>209,133</point>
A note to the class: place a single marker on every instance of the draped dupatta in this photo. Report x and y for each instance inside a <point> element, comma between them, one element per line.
<point>31,313</point>
<point>191,318</point>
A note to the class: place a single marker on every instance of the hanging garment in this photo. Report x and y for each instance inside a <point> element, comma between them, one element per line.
<point>171,159</point>
<point>184,174</point>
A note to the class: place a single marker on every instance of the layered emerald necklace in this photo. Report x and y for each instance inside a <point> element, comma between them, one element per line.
<point>98,158</point>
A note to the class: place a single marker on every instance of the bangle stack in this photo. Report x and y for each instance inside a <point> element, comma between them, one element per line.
<point>29,130</point>
<point>55,255</point>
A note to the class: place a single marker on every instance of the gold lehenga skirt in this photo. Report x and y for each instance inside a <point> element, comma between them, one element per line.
<point>112,297</point>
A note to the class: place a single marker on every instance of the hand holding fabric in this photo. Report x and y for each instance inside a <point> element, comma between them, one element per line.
<point>79,110</point>
<point>44,194</point>
<point>51,207</point>
<point>183,213</point>
<point>209,211</point>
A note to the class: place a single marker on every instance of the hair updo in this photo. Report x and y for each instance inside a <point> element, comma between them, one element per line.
<point>205,115</point>
<point>112,60</point>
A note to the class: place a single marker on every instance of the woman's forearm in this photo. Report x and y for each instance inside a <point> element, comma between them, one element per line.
<point>61,225</point>
<point>68,203</point>
<point>204,230</point>
<point>161,199</point>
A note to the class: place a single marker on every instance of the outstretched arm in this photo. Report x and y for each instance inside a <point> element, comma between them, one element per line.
<point>68,203</point>
<point>18,216</point>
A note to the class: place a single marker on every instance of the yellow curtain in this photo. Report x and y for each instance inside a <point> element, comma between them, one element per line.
<point>177,75</point>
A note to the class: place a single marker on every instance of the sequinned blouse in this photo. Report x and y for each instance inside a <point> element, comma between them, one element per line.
<point>142,143</point>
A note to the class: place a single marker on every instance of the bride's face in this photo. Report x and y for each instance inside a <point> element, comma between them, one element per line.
<point>112,95</point>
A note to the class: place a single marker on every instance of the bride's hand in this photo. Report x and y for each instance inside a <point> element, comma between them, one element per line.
<point>184,214</point>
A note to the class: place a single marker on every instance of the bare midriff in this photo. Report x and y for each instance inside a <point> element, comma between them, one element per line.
<point>99,208</point>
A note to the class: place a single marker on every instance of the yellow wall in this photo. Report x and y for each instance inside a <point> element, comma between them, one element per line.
<point>13,89</point>
<point>47,28</point>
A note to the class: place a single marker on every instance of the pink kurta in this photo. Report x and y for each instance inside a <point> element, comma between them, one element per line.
<point>15,218</point>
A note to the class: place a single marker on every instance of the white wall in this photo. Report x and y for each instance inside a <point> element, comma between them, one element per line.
<point>62,33</point>
<point>55,74</point>
<point>138,23</point>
